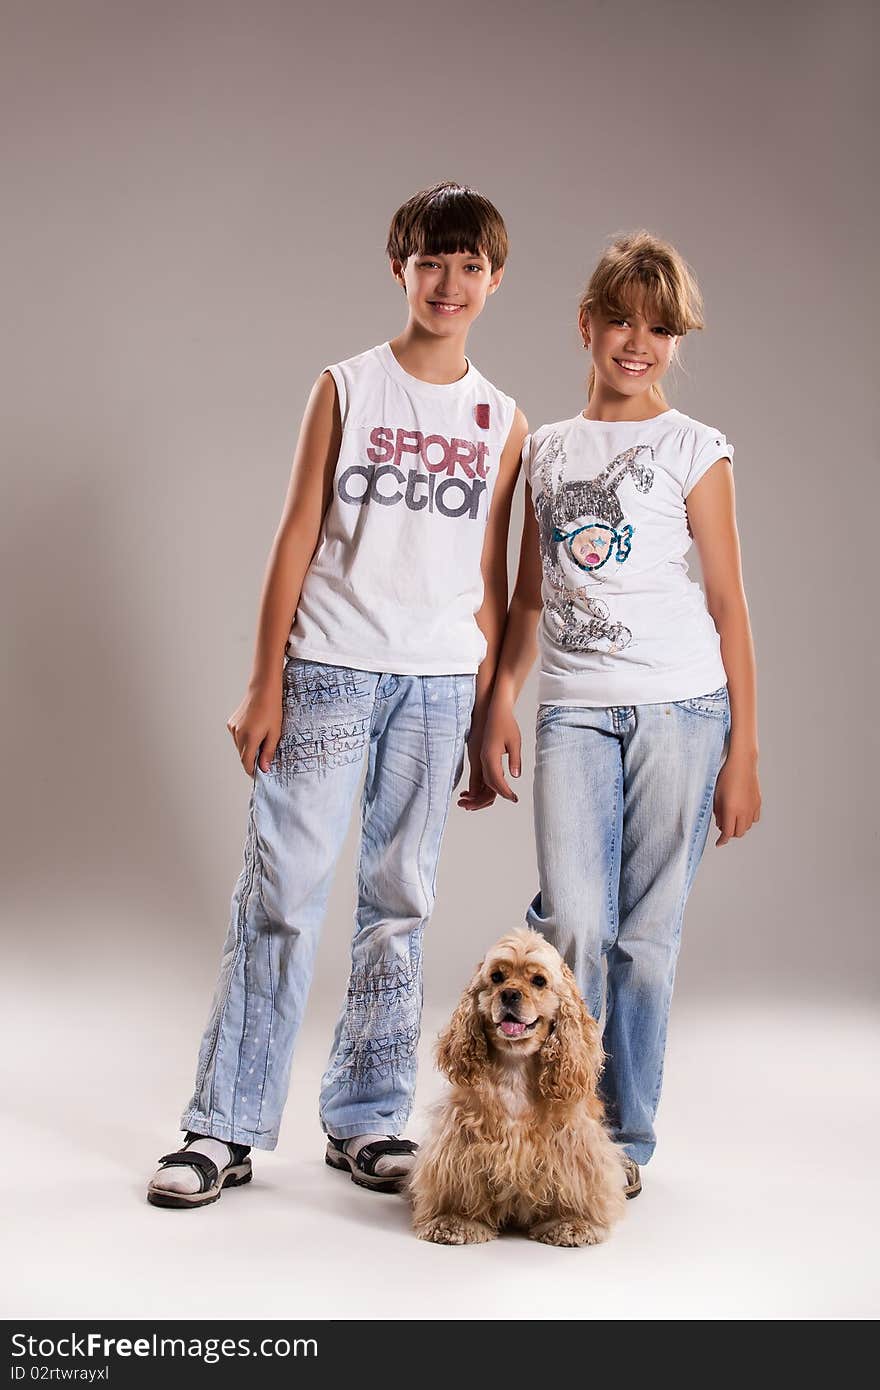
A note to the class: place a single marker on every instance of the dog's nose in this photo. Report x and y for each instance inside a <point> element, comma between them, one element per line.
<point>511,996</point>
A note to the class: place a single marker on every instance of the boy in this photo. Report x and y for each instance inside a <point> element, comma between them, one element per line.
<point>386,592</point>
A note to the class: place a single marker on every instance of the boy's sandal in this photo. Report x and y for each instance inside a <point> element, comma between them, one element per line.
<point>363,1166</point>
<point>212,1179</point>
<point>633,1177</point>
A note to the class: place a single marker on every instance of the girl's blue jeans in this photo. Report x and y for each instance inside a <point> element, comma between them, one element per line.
<point>411,731</point>
<point>623,805</point>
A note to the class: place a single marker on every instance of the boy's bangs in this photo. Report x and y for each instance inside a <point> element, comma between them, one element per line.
<point>447,220</point>
<point>446,235</point>
<point>455,227</point>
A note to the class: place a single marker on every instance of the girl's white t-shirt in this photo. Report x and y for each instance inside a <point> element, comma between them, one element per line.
<point>395,580</point>
<point>622,624</point>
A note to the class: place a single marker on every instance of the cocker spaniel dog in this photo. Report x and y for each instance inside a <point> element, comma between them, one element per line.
<point>520,1140</point>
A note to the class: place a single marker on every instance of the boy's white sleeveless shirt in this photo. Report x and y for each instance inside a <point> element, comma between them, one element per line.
<point>622,624</point>
<point>395,580</point>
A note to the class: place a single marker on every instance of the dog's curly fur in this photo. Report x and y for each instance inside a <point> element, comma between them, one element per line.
<point>520,1140</point>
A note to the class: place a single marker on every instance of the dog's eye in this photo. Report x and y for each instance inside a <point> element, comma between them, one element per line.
<point>496,977</point>
<point>538,981</point>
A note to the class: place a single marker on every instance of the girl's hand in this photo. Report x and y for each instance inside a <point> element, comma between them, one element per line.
<point>737,804</point>
<point>478,796</point>
<point>502,736</point>
<point>256,726</point>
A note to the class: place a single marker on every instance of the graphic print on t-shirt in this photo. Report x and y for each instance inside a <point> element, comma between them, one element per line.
<point>381,478</point>
<point>582,531</point>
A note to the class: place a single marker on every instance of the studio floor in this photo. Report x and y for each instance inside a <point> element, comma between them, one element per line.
<point>759,1203</point>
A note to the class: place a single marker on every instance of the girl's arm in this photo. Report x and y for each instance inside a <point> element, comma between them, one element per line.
<point>518,653</point>
<point>712,518</point>
<point>256,724</point>
<point>493,610</point>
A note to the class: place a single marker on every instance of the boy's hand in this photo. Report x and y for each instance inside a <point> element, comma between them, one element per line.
<point>737,804</point>
<point>502,736</point>
<point>256,726</point>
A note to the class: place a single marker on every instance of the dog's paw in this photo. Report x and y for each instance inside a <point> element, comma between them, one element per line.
<point>568,1233</point>
<point>455,1230</point>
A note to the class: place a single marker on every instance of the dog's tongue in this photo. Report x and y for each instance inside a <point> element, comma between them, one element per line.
<point>511,1029</point>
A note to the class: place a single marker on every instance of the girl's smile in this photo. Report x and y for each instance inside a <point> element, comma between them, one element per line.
<point>631,367</point>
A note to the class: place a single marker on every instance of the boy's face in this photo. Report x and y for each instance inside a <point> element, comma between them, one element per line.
<point>447,291</point>
<point>631,352</point>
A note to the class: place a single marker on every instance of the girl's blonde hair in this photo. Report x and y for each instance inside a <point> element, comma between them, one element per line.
<point>640,268</point>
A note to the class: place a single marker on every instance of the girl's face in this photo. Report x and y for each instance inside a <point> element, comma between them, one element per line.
<point>446,292</point>
<point>632,353</point>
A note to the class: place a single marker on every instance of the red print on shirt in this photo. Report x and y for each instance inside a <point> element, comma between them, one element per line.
<point>481,415</point>
<point>436,453</point>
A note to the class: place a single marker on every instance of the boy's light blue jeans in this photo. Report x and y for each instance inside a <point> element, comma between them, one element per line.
<point>411,730</point>
<point>623,805</point>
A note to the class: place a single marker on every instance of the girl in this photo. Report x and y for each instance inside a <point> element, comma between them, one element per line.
<point>647,690</point>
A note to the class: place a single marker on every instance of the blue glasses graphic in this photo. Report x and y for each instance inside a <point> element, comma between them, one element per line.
<point>591,546</point>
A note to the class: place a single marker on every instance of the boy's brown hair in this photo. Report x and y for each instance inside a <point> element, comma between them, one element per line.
<point>447,218</point>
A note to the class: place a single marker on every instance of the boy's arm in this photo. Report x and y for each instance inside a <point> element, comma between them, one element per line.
<point>711,513</point>
<point>256,724</point>
<point>520,643</point>
<point>518,653</point>
<point>492,612</point>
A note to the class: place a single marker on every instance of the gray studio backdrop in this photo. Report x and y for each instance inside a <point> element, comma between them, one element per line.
<point>197,197</point>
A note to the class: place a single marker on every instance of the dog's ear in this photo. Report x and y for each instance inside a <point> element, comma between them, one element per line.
<point>462,1053</point>
<point>572,1057</point>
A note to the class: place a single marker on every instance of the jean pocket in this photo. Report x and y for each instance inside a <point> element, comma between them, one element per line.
<point>310,684</point>
<point>547,714</point>
<point>715,703</point>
